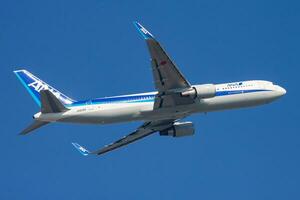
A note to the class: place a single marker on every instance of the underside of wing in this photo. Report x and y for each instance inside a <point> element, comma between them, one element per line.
<point>136,135</point>
<point>166,75</point>
<point>169,81</point>
<point>146,129</point>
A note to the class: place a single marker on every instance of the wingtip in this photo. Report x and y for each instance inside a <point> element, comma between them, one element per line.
<point>135,22</point>
<point>143,31</point>
<point>18,70</point>
<point>81,149</point>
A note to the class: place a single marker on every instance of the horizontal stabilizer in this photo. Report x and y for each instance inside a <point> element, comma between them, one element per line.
<point>50,104</point>
<point>35,125</point>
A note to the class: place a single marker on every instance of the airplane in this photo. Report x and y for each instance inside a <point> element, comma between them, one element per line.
<point>161,111</point>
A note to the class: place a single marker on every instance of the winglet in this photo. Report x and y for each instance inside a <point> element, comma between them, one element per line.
<point>81,149</point>
<point>143,31</point>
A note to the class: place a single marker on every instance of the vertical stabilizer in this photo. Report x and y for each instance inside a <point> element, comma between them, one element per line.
<point>34,85</point>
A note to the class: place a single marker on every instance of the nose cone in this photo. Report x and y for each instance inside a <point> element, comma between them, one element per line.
<point>281,91</point>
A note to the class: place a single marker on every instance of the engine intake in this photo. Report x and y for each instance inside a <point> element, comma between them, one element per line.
<point>179,129</point>
<point>201,91</point>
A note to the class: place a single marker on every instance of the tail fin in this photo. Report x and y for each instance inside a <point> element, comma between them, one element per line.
<point>34,85</point>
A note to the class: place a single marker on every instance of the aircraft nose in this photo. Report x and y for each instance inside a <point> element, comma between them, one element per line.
<point>280,90</point>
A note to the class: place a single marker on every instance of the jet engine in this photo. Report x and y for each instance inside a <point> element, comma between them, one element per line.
<point>179,129</point>
<point>201,91</point>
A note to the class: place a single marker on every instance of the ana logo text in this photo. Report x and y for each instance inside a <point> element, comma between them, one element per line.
<point>145,31</point>
<point>234,84</point>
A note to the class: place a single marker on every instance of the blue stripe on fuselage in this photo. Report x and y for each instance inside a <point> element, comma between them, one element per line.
<point>231,92</point>
<point>146,98</point>
<point>121,99</point>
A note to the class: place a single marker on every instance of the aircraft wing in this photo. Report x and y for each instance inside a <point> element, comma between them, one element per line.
<point>146,129</point>
<point>167,77</point>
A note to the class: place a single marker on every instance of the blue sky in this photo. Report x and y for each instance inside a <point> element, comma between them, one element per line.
<point>91,49</point>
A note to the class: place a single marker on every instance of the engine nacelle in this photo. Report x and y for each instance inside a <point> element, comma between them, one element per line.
<point>179,129</point>
<point>201,91</point>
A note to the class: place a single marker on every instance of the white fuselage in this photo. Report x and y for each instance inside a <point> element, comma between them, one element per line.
<point>139,107</point>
